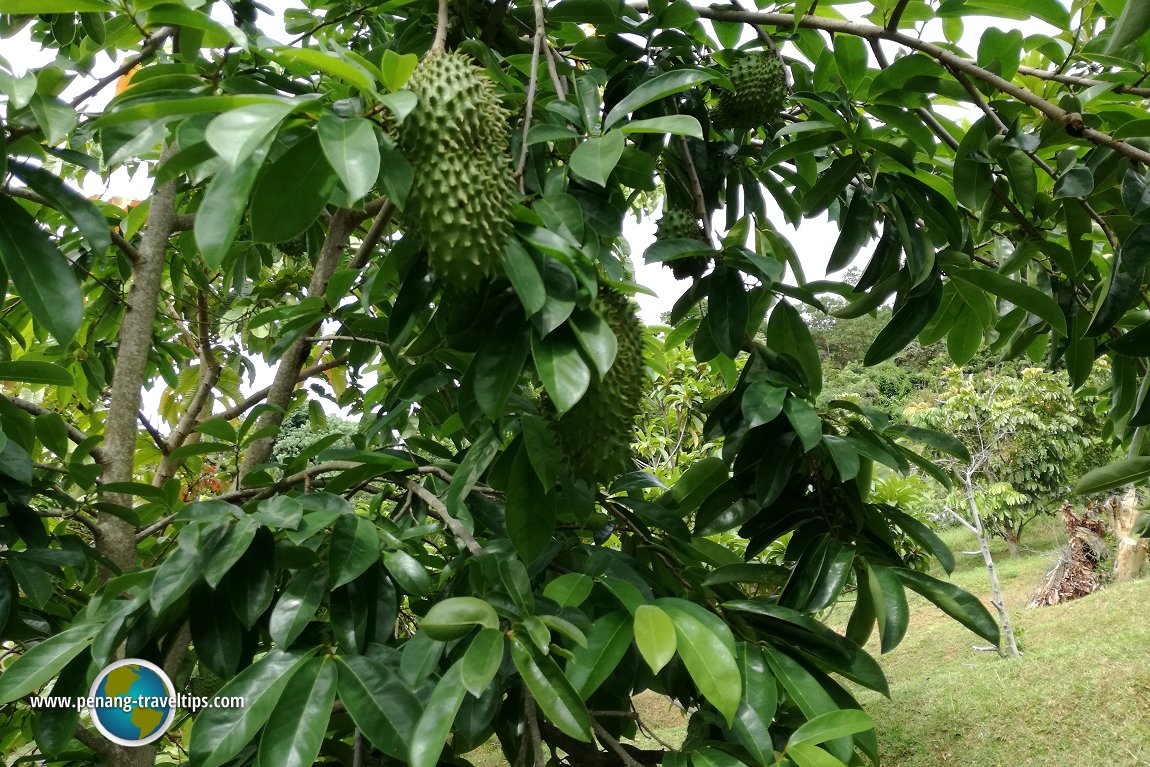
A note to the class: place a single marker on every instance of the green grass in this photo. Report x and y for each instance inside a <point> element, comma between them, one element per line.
<point>1079,695</point>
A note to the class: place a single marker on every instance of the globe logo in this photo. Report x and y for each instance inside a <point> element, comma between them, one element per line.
<point>133,702</point>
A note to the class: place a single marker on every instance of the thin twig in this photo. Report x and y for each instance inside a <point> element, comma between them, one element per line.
<point>371,239</point>
<point>614,745</point>
<point>696,189</point>
<point>532,85</point>
<point>247,403</point>
<point>1085,82</point>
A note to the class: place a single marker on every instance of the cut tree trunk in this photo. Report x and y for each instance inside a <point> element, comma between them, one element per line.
<point>1075,574</point>
<point>1131,556</point>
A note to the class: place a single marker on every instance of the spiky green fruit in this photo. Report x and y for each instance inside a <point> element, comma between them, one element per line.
<point>457,141</point>
<point>681,224</point>
<point>760,90</point>
<point>595,435</point>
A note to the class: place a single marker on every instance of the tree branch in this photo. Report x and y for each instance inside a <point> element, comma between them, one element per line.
<point>371,239</point>
<point>246,404</point>
<point>440,510</point>
<point>440,40</point>
<point>288,371</point>
<point>532,85</point>
<point>74,434</point>
<point>1085,82</point>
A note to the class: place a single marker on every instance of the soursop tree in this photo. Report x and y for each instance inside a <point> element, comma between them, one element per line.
<point>423,204</point>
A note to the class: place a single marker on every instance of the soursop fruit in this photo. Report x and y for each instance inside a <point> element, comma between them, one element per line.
<point>681,224</point>
<point>595,435</point>
<point>760,90</point>
<point>457,141</point>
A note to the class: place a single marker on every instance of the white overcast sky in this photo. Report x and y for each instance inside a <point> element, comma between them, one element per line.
<point>813,240</point>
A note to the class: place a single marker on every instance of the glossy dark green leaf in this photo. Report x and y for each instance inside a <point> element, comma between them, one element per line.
<point>36,373</point>
<point>218,734</point>
<point>528,511</point>
<point>607,643</point>
<point>757,709</point>
<point>805,420</point>
<point>565,373</point>
<point>891,611</point>
<point>40,272</point>
<point>216,632</point>
<point>482,660</point>
<point>297,605</point>
<point>569,589</point>
<point>281,207</point>
<point>1021,295</point>
<point>727,311</point>
<point>709,661</point>
<point>381,706</point>
<point>788,334</point>
<point>923,535</point>
<point>906,323</point>
<point>454,617</point>
<point>936,439</point>
<point>178,571</point>
<point>354,548</point>
<point>297,726</point>
<point>407,572</point>
<point>831,725</point>
<point>432,729</point>
<point>595,158</point>
<point>551,689</point>
<point>524,276</point>
<point>250,583</point>
<point>661,86</point>
<point>55,727</point>
<point>227,552</point>
<point>1131,25</point>
<point>955,602</point>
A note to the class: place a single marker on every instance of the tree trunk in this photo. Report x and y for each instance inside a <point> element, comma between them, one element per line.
<point>1012,540</point>
<point>1008,646</point>
<point>1131,556</point>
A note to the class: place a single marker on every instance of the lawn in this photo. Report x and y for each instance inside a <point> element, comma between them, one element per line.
<point>1079,694</point>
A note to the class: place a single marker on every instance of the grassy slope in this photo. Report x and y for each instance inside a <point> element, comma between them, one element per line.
<point>1079,695</point>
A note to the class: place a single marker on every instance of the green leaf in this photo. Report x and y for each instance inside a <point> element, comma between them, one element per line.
<point>216,632</point>
<point>282,208</point>
<point>1113,475</point>
<point>354,548</point>
<point>524,276</point>
<point>236,135</point>
<point>831,725</point>
<point>807,755</point>
<point>851,60</point>
<point>1076,182</point>
<point>297,605</point>
<point>569,589</point>
<point>353,151</point>
<point>383,708</point>
<point>788,334</point>
<point>654,636</point>
<point>958,604</point>
<point>906,323</point>
<point>397,69</point>
<point>456,616</point>
<point>32,670</point>
<point>756,712</point>
<point>607,643</point>
<point>936,439</point>
<point>891,609</point>
<point>297,726</point>
<point>596,338</point>
<point>677,125</point>
<point>808,425</point>
<point>529,513</point>
<point>40,272</point>
<point>36,373</point>
<point>482,660</point>
<point>432,729</point>
<point>709,661</point>
<point>596,157</point>
<point>565,374</point>
<point>178,571</point>
<point>220,212</point>
<point>551,689</point>
<point>656,88</point>
<point>328,63</point>
<point>1021,295</point>
<point>78,208</point>
<point>762,402</point>
<point>1131,25</point>
<point>923,535</point>
<point>218,734</point>
<point>407,573</point>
